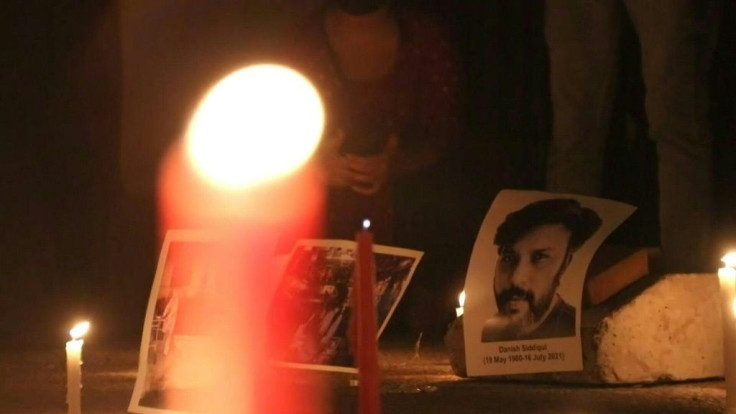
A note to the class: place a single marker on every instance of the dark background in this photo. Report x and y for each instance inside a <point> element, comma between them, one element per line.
<point>93,91</point>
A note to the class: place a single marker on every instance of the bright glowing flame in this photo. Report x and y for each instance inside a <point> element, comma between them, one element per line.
<point>461,299</point>
<point>729,260</point>
<point>727,273</point>
<point>79,330</point>
<point>366,224</point>
<point>258,123</point>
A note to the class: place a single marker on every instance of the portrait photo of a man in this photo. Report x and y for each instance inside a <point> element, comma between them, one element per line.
<point>535,246</point>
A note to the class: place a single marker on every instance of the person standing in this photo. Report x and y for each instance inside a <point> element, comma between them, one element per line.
<point>388,78</point>
<point>677,38</point>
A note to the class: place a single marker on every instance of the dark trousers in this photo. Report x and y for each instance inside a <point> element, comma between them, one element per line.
<point>677,38</point>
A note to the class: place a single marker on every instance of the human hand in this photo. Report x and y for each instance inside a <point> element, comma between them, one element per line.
<point>334,164</point>
<point>368,174</point>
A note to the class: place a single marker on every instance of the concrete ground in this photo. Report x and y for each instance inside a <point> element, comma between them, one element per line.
<point>33,382</point>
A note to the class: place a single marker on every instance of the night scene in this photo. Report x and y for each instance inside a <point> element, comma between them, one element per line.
<point>368,206</point>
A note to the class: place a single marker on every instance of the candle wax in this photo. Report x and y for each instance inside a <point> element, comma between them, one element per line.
<point>727,280</point>
<point>367,349</point>
<point>74,375</point>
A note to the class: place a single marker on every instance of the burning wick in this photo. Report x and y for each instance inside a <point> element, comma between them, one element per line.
<point>727,280</point>
<point>74,367</point>
<point>460,300</point>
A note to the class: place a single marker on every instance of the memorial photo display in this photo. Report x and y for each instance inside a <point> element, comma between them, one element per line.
<point>314,295</point>
<point>525,279</point>
<point>176,340</point>
<point>307,316</point>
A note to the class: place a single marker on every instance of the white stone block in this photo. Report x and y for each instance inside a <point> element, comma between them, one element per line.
<point>671,331</point>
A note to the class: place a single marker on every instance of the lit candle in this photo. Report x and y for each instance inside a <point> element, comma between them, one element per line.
<point>727,281</point>
<point>74,367</point>
<point>243,171</point>
<point>461,300</point>
<point>367,349</point>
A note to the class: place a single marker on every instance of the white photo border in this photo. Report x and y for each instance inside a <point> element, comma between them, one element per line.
<point>492,358</point>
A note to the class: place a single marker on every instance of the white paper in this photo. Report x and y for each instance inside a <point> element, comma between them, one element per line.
<point>169,353</point>
<point>176,353</point>
<point>512,339</point>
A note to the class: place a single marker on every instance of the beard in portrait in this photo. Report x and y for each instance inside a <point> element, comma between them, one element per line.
<point>535,247</point>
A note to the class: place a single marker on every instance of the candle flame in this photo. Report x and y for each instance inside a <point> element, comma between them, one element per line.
<point>461,299</point>
<point>727,272</point>
<point>366,224</point>
<point>258,123</point>
<point>729,259</point>
<point>79,330</point>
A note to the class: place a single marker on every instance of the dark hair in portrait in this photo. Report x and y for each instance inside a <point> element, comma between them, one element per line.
<point>582,222</point>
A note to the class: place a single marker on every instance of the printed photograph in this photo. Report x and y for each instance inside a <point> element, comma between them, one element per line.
<point>176,329</point>
<point>535,246</point>
<point>525,280</point>
<point>312,307</point>
<point>307,319</point>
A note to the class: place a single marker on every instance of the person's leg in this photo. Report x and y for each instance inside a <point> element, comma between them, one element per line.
<point>677,39</point>
<point>582,36</point>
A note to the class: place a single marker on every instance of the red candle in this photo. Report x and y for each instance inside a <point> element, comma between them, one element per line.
<point>365,307</point>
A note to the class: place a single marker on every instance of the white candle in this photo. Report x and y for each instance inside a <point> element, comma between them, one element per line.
<point>74,368</point>
<point>727,281</point>
<point>461,300</point>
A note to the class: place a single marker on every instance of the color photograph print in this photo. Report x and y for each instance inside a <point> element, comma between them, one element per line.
<point>310,315</point>
<point>525,279</point>
<point>175,334</point>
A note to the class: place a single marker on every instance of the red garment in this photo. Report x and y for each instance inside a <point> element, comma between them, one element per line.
<point>417,101</point>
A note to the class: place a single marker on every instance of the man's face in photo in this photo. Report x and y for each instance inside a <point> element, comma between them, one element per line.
<point>528,272</point>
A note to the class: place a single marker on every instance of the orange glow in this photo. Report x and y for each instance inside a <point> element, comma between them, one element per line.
<point>291,203</point>
<point>258,123</point>
<point>79,330</point>
<point>727,272</point>
<point>241,172</point>
<point>729,260</point>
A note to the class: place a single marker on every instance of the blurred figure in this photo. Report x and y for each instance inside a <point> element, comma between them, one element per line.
<point>388,79</point>
<point>677,38</point>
